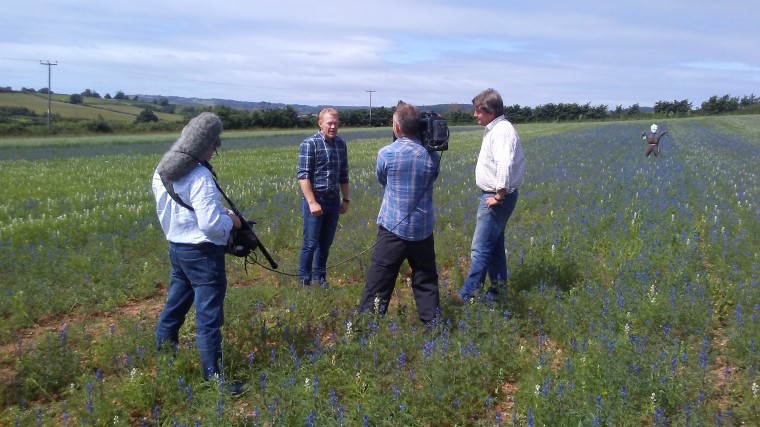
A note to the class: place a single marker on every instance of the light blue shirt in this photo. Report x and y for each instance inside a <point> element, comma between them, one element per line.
<point>407,170</point>
<point>208,222</point>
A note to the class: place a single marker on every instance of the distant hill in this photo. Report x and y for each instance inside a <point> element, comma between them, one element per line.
<point>300,108</point>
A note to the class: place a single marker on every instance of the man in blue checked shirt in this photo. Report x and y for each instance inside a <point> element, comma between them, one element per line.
<point>323,177</point>
<point>407,170</point>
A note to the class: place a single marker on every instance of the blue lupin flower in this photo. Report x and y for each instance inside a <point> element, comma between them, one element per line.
<point>311,419</point>
<point>64,335</point>
<point>738,315</point>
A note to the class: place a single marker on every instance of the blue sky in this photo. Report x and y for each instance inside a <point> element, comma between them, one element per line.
<point>424,52</point>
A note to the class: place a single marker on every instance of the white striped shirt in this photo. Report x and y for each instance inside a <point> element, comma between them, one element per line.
<point>501,163</point>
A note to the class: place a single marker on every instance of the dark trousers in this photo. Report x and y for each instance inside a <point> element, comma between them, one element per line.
<point>652,148</point>
<point>390,252</point>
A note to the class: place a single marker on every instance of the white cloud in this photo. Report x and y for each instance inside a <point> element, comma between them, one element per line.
<point>427,52</point>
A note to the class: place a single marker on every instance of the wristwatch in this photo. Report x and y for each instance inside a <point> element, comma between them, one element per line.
<point>347,200</point>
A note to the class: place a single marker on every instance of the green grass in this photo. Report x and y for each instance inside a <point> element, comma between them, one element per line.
<point>91,108</point>
<point>632,298</point>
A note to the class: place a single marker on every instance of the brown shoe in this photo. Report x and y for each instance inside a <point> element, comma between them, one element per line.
<point>458,300</point>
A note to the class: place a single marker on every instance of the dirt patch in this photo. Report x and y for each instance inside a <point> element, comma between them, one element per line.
<point>91,322</point>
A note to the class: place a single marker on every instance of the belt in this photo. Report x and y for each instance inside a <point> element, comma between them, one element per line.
<point>326,195</point>
<point>493,192</point>
<point>203,245</point>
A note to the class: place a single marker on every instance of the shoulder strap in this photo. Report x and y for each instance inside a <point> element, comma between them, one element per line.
<point>173,194</point>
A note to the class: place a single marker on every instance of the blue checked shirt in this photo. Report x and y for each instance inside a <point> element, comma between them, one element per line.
<point>407,170</point>
<point>324,163</point>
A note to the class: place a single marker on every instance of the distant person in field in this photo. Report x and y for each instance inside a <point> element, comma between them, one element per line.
<point>653,140</point>
<point>498,174</point>
<point>197,227</point>
<point>406,170</point>
<point>323,179</point>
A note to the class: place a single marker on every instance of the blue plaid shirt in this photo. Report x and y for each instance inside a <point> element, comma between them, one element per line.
<point>407,170</point>
<point>324,163</point>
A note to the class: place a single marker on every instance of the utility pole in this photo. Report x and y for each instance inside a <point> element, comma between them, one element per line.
<point>49,65</point>
<point>370,106</point>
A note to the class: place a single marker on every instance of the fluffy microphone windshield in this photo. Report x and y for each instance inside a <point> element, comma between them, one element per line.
<point>197,138</point>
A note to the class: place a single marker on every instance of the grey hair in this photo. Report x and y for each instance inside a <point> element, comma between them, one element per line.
<point>197,138</point>
<point>490,102</point>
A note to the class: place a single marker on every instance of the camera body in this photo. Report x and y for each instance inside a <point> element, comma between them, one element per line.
<point>242,241</point>
<point>434,131</point>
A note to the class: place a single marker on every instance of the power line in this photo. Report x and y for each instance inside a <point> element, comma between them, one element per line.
<point>19,59</point>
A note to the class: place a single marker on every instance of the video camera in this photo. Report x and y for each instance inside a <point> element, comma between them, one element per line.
<point>434,132</point>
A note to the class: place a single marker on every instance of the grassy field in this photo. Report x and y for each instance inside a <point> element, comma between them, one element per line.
<point>91,108</point>
<point>632,299</point>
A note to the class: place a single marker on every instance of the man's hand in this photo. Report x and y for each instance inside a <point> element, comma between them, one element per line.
<point>235,219</point>
<point>315,208</point>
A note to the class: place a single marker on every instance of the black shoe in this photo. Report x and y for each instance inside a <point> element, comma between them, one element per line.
<point>235,388</point>
<point>304,282</point>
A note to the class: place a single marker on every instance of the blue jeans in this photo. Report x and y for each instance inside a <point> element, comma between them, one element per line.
<point>318,235</point>
<point>197,276</point>
<point>487,253</point>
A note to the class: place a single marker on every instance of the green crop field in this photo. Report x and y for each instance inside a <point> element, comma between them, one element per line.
<point>91,108</point>
<point>632,298</point>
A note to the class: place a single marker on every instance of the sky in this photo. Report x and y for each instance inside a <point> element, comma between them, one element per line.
<point>357,53</point>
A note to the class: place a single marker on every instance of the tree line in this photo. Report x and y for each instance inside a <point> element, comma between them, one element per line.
<point>15,119</point>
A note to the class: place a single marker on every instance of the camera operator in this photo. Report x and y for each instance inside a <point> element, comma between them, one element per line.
<point>197,227</point>
<point>498,174</point>
<point>323,177</point>
<point>406,170</point>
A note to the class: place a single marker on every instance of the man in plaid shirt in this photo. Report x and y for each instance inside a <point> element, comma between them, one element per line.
<point>406,170</point>
<point>323,177</point>
<point>499,172</point>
